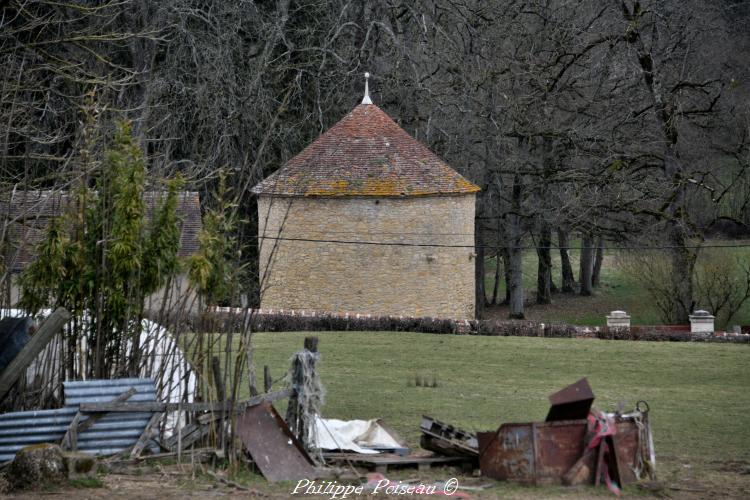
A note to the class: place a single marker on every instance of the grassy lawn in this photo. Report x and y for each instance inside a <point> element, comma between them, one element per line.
<point>698,392</point>
<point>616,291</point>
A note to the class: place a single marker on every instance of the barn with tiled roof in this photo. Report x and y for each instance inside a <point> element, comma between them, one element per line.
<point>26,216</point>
<point>366,219</point>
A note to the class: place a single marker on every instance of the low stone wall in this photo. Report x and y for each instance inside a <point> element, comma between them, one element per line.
<point>280,320</point>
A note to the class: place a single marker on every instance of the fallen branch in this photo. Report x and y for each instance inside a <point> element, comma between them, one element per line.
<point>238,486</point>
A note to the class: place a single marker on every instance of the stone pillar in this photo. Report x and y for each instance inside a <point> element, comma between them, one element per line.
<point>618,319</point>
<point>701,322</point>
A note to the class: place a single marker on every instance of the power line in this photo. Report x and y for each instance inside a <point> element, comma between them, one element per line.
<point>492,247</point>
<point>390,233</point>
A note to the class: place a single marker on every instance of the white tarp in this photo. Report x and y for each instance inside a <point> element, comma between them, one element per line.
<point>359,436</point>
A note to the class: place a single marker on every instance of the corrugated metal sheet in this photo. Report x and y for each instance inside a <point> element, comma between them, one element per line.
<point>101,391</point>
<point>114,432</point>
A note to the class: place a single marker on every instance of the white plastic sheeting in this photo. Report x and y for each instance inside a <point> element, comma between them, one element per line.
<point>165,362</point>
<point>359,436</point>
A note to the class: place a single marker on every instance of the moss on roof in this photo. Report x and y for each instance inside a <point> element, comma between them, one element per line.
<point>365,154</point>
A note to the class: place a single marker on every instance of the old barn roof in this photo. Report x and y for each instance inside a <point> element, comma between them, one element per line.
<point>29,212</point>
<point>365,154</point>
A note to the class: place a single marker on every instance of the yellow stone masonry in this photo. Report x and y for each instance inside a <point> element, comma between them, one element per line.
<point>368,278</point>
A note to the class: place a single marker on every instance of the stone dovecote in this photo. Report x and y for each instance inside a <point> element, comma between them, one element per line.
<point>366,219</point>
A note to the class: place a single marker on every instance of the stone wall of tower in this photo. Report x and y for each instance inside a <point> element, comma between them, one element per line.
<point>369,277</point>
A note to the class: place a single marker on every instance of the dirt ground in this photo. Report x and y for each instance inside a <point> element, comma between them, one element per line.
<point>729,479</point>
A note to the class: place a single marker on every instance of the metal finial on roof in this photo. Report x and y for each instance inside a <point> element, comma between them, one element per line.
<point>366,99</point>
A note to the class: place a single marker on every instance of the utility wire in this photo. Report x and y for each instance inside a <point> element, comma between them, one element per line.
<point>491,247</point>
<point>390,233</point>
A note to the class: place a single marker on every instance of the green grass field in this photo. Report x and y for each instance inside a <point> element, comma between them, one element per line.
<point>617,290</point>
<point>698,393</point>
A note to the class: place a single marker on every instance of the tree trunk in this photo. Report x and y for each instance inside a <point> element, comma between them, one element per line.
<point>496,286</point>
<point>506,273</point>
<point>586,269</point>
<point>479,275</point>
<point>683,257</point>
<point>598,261</point>
<point>516,282</point>
<point>568,279</point>
<point>515,254</point>
<point>498,256</point>
<point>544,267</point>
<point>683,265</point>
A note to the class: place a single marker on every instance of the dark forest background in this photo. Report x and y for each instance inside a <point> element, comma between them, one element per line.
<point>587,123</point>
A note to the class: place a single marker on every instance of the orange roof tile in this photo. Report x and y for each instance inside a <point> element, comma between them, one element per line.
<point>365,154</point>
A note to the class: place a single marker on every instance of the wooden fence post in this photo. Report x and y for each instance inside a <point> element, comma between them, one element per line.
<point>293,411</point>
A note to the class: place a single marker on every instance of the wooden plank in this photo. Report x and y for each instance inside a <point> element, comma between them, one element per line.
<point>153,406</point>
<point>190,434</point>
<point>76,426</point>
<point>599,460</point>
<point>391,459</point>
<point>31,350</point>
<point>141,443</point>
<point>70,439</point>
<point>267,380</point>
<point>207,418</point>
<point>380,463</point>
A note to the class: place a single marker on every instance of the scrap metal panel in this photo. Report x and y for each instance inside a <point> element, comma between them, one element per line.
<point>25,428</point>
<point>559,445</point>
<point>627,449</point>
<point>571,403</point>
<point>508,453</point>
<point>103,391</point>
<point>274,449</point>
<point>113,433</point>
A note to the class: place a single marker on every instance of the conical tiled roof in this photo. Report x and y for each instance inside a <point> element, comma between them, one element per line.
<point>365,154</point>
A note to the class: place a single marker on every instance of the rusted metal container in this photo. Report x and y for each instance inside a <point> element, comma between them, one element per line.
<point>542,452</point>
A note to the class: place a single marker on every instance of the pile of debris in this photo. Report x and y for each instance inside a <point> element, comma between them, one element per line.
<point>127,420</point>
<point>574,445</point>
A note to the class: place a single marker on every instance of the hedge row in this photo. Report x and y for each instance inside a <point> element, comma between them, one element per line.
<point>285,322</point>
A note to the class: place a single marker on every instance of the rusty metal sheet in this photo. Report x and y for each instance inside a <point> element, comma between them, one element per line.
<point>571,403</point>
<point>626,449</point>
<point>508,453</point>
<point>558,446</point>
<point>275,450</point>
